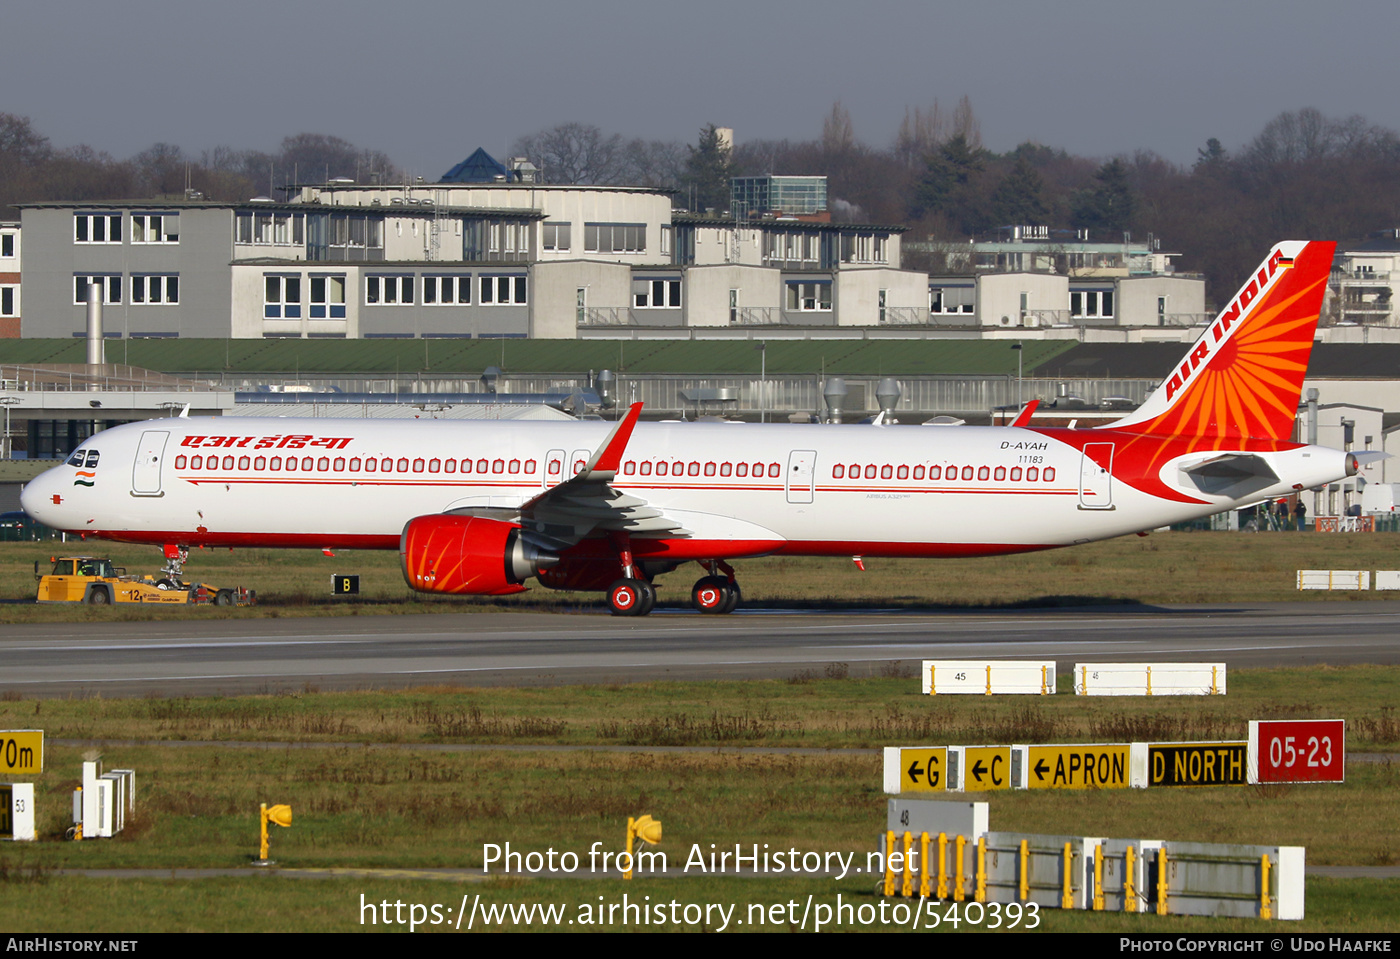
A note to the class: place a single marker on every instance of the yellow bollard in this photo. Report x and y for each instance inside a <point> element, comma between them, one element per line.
<point>1023,893</point>
<point>906,888</point>
<point>1067,894</point>
<point>1130,903</point>
<point>889,871</point>
<point>1162,881</point>
<point>1265,908</point>
<point>924,877</point>
<point>958,893</point>
<point>942,866</point>
<point>1098,878</point>
<point>980,892</point>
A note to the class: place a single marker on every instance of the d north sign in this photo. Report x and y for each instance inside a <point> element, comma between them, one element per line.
<point>1197,764</point>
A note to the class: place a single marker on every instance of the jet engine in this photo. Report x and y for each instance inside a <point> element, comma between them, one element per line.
<point>468,555</point>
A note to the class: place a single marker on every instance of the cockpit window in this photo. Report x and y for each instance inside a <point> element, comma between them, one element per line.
<point>77,458</point>
<point>91,459</point>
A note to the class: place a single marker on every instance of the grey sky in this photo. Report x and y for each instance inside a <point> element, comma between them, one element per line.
<point>428,81</point>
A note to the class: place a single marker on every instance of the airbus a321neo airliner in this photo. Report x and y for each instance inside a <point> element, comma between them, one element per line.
<point>479,508</point>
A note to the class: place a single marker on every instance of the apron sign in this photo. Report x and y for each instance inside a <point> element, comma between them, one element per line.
<point>1097,766</point>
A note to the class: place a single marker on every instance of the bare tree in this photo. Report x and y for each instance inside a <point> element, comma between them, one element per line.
<point>659,164</point>
<point>575,153</point>
<point>919,135</point>
<point>966,124</point>
<point>838,135</point>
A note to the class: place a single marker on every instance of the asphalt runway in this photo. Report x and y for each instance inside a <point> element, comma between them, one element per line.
<point>187,655</point>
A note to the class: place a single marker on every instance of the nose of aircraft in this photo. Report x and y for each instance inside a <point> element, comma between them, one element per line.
<point>43,499</point>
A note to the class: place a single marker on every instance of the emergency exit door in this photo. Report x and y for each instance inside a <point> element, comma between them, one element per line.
<point>1096,476</point>
<point>801,475</point>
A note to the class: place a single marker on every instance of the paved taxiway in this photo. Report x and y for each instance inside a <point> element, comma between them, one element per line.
<point>193,655</point>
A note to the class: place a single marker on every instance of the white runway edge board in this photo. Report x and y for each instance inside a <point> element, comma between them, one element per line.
<point>1334,579</point>
<point>987,677</point>
<point>1149,679</point>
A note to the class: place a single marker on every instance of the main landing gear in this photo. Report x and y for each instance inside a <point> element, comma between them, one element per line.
<point>633,595</point>
<point>716,594</point>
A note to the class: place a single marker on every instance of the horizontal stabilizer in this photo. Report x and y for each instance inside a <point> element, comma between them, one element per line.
<point>1230,474</point>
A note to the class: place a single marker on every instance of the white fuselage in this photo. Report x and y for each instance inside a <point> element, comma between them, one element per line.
<point>736,489</point>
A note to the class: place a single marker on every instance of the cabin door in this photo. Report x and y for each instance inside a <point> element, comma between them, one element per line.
<point>145,473</point>
<point>1096,476</point>
<point>801,475</point>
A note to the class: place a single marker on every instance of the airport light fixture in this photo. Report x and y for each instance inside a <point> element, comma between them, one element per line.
<point>645,829</point>
<point>280,815</point>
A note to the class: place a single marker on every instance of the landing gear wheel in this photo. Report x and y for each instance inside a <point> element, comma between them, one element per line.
<point>709,594</point>
<point>732,597</point>
<point>648,598</point>
<point>627,597</point>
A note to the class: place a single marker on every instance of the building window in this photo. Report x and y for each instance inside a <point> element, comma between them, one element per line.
<point>155,228</point>
<point>555,237</point>
<point>97,228</point>
<point>7,245</point>
<point>155,289</point>
<point>656,294</point>
<point>328,297</point>
<point>389,290</point>
<point>271,229</point>
<point>1091,303</point>
<point>809,297</point>
<point>9,301</point>
<point>951,299</point>
<point>503,290</point>
<point>615,237</point>
<point>447,290</point>
<point>282,297</point>
<point>111,284</point>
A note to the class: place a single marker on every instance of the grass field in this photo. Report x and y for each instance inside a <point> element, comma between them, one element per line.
<point>403,805</point>
<point>369,791</point>
<point>1173,567</point>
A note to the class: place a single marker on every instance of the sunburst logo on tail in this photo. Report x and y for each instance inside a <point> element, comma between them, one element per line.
<point>1242,377</point>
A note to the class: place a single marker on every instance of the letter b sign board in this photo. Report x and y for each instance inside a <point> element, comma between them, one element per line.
<point>1297,751</point>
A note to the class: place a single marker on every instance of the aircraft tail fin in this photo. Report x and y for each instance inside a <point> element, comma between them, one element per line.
<point>1243,376</point>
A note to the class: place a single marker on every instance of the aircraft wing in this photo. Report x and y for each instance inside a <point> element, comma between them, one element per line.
<point>564,514</point>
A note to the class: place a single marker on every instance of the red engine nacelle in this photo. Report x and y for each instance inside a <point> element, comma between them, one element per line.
<point>468,555</point>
